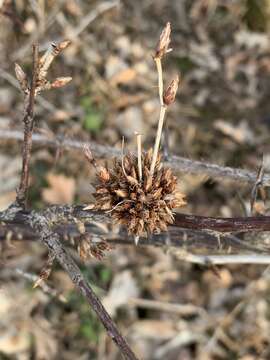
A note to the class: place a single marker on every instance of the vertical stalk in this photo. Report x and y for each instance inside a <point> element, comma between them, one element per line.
<point>163,109</point>
<point>160,79</point>
<point>158,138</point>
<point>28,120</point>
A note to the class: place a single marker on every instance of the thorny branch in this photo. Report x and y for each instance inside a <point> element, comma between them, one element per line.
<point>189,231</point>
<point>41,223</point>
<point>68,213</point>
<point>52,240</point>
<point>178,163</point>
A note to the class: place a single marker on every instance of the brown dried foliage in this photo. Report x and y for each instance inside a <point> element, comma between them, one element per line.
<point>89,246</point>
<point>143,207</point>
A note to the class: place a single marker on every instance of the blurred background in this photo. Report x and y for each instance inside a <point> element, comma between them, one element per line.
<point>221,115</point>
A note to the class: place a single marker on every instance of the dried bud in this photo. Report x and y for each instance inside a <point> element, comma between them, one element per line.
<point>22,78</point>
<point>46,60</point>
<point>60,82</point>
<point>170,92</point>
<point>46,270</point>
<point>63,44</point>
<point>164,41</point>
<point>57,48</point>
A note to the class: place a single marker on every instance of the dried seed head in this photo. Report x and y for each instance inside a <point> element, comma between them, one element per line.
<point>164,41</point>
<point>90,246</point>
<point>143,206</point>
<point>170,92</point>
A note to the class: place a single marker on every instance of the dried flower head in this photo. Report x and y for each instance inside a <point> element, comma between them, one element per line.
<point>144,206</point>
<point>170,92</point>
<point>91,246</point>
<point>164,42</point>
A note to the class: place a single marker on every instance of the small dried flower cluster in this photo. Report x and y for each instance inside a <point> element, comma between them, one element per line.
<point>89,246</point>
<point>144,206</point>
<point>44,64</point>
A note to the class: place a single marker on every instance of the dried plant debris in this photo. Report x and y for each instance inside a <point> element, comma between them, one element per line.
<point>144,206</point>
<point>137,191</point>
<point>92,246</point>
<point>44,64</point>
<point>46,270</point>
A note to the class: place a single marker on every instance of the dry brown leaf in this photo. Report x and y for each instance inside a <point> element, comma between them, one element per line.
<point>61,190</point>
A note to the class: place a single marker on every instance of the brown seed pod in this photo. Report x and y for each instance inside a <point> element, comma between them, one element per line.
<point>144,206</point>
<point>170,92</point>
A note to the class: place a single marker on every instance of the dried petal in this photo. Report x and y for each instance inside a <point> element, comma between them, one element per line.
<point>121,193</point>
<point>103,174</point>
<point>132,180</point>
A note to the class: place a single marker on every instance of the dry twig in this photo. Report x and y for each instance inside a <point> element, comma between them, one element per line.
<point>28,120</point>
<point>41,223</point>
<point>178,163</point>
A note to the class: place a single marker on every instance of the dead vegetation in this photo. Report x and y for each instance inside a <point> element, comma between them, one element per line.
<point>170,300</point>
